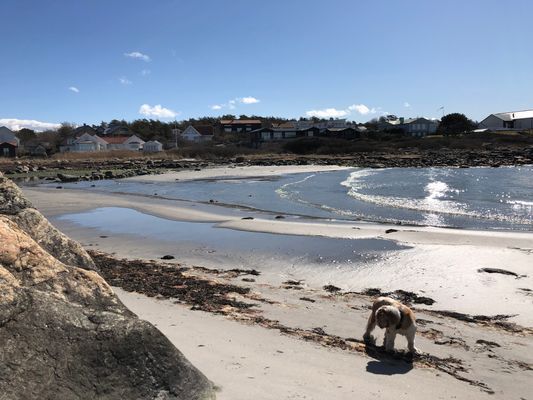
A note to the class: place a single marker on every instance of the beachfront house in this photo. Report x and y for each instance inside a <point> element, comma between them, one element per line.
<point>9,142</point>
<point>417,127</point>
<point>273,134</point>
<point>131,143</point>
<point>513,120</point>
<point>239,125</point>
<point>152,146</point>
<point>84,143</point>
<point>198,133</point>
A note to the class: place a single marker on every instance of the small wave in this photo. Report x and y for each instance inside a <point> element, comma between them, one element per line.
<point>283,191</point>
<point>433,203</point>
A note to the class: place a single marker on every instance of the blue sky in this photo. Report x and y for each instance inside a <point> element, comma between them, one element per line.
<point>93,60</point>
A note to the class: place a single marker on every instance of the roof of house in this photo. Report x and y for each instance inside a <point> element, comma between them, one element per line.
<point>204,130</point>
<point>84,128</point>
<point>116,139</point>
<point>513,115</point>
<point>12,142</point>
<point>8,136</point>
<point>239,121</point>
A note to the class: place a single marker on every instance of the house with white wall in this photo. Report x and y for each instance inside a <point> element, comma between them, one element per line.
<point>198,134</point>
<point>513,120</point>
<point>152,146</point>
<point>131,143</point>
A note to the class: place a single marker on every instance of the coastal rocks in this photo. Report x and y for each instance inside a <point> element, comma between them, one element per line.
<point>16,207</point>
<point>63,332</point>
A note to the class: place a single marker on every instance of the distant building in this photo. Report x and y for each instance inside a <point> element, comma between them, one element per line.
<point>132,143</point>
<point>514,120</point>
<point>240,125</point>
<point>272,134</point>
<point>9,142</point>
<point>198,133</point>
<point>417,127</point>
<point>152,146</point>
<point>91,143</point>
<point>306,124</point>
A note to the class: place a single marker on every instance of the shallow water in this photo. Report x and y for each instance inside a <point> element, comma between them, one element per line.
<point>305,250</point>
<point>473,198</point>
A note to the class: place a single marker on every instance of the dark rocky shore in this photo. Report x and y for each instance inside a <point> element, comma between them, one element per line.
<point>87,169</point>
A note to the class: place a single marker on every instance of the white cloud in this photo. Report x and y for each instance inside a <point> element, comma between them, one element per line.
<point>125,81</point>
<point>145,72</point>
<point>362,109</point>
<point>17,124</point>
<point>138,55</point>
<point>407,105</point>
<point>327,113</point>
<point>232,104</point>
<point>157,111</point>
<point>248,100</point>
<point>74,89</point>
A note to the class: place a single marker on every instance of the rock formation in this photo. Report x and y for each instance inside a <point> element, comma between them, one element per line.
<point>63,332</point>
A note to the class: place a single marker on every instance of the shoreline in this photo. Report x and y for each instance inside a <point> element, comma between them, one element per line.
<point>432,266</point>
<point>476,338</point>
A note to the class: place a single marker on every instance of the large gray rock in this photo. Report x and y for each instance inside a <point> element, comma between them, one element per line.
<point>65,335</point>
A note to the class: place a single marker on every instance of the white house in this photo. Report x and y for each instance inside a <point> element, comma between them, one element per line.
<point>514,120</point>
<point>132,143</point>
<point>198,133</point>
<point>152,146</point>
<point>84,143</point>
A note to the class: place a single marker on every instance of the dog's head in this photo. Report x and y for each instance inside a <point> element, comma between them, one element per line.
<point>387,316</point>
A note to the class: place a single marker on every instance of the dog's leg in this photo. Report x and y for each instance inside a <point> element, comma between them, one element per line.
<point>390,336</point>
<point>410,335</point>
<point>371,324</point>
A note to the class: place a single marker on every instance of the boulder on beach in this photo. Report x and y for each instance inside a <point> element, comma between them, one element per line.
<point>63,332</point>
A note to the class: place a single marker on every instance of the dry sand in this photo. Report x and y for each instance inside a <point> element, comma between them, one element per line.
<point>248,361</point>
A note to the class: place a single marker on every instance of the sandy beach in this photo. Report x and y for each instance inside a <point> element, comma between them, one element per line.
<point>247,359</point>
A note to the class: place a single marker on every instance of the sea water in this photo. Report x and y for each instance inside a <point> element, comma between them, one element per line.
<point>471,198</point>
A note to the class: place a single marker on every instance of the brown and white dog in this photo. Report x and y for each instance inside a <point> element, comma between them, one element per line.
<point>395,318</point>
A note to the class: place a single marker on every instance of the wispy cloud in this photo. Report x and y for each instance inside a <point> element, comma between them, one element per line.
<point>327,113</point>
<point>232,104</point>
<point>407,105</point>
<point>74,89</point>
<point>145,72</point>
<point>17,124</point>
<point>157,111</point>
<point>138,55</point>
<point>125,81</point>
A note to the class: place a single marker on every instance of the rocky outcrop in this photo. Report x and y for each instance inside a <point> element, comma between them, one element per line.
<point>63,332</point>
<point>15,206</point>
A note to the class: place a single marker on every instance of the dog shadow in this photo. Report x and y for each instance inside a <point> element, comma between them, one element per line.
<point>385,363</point>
